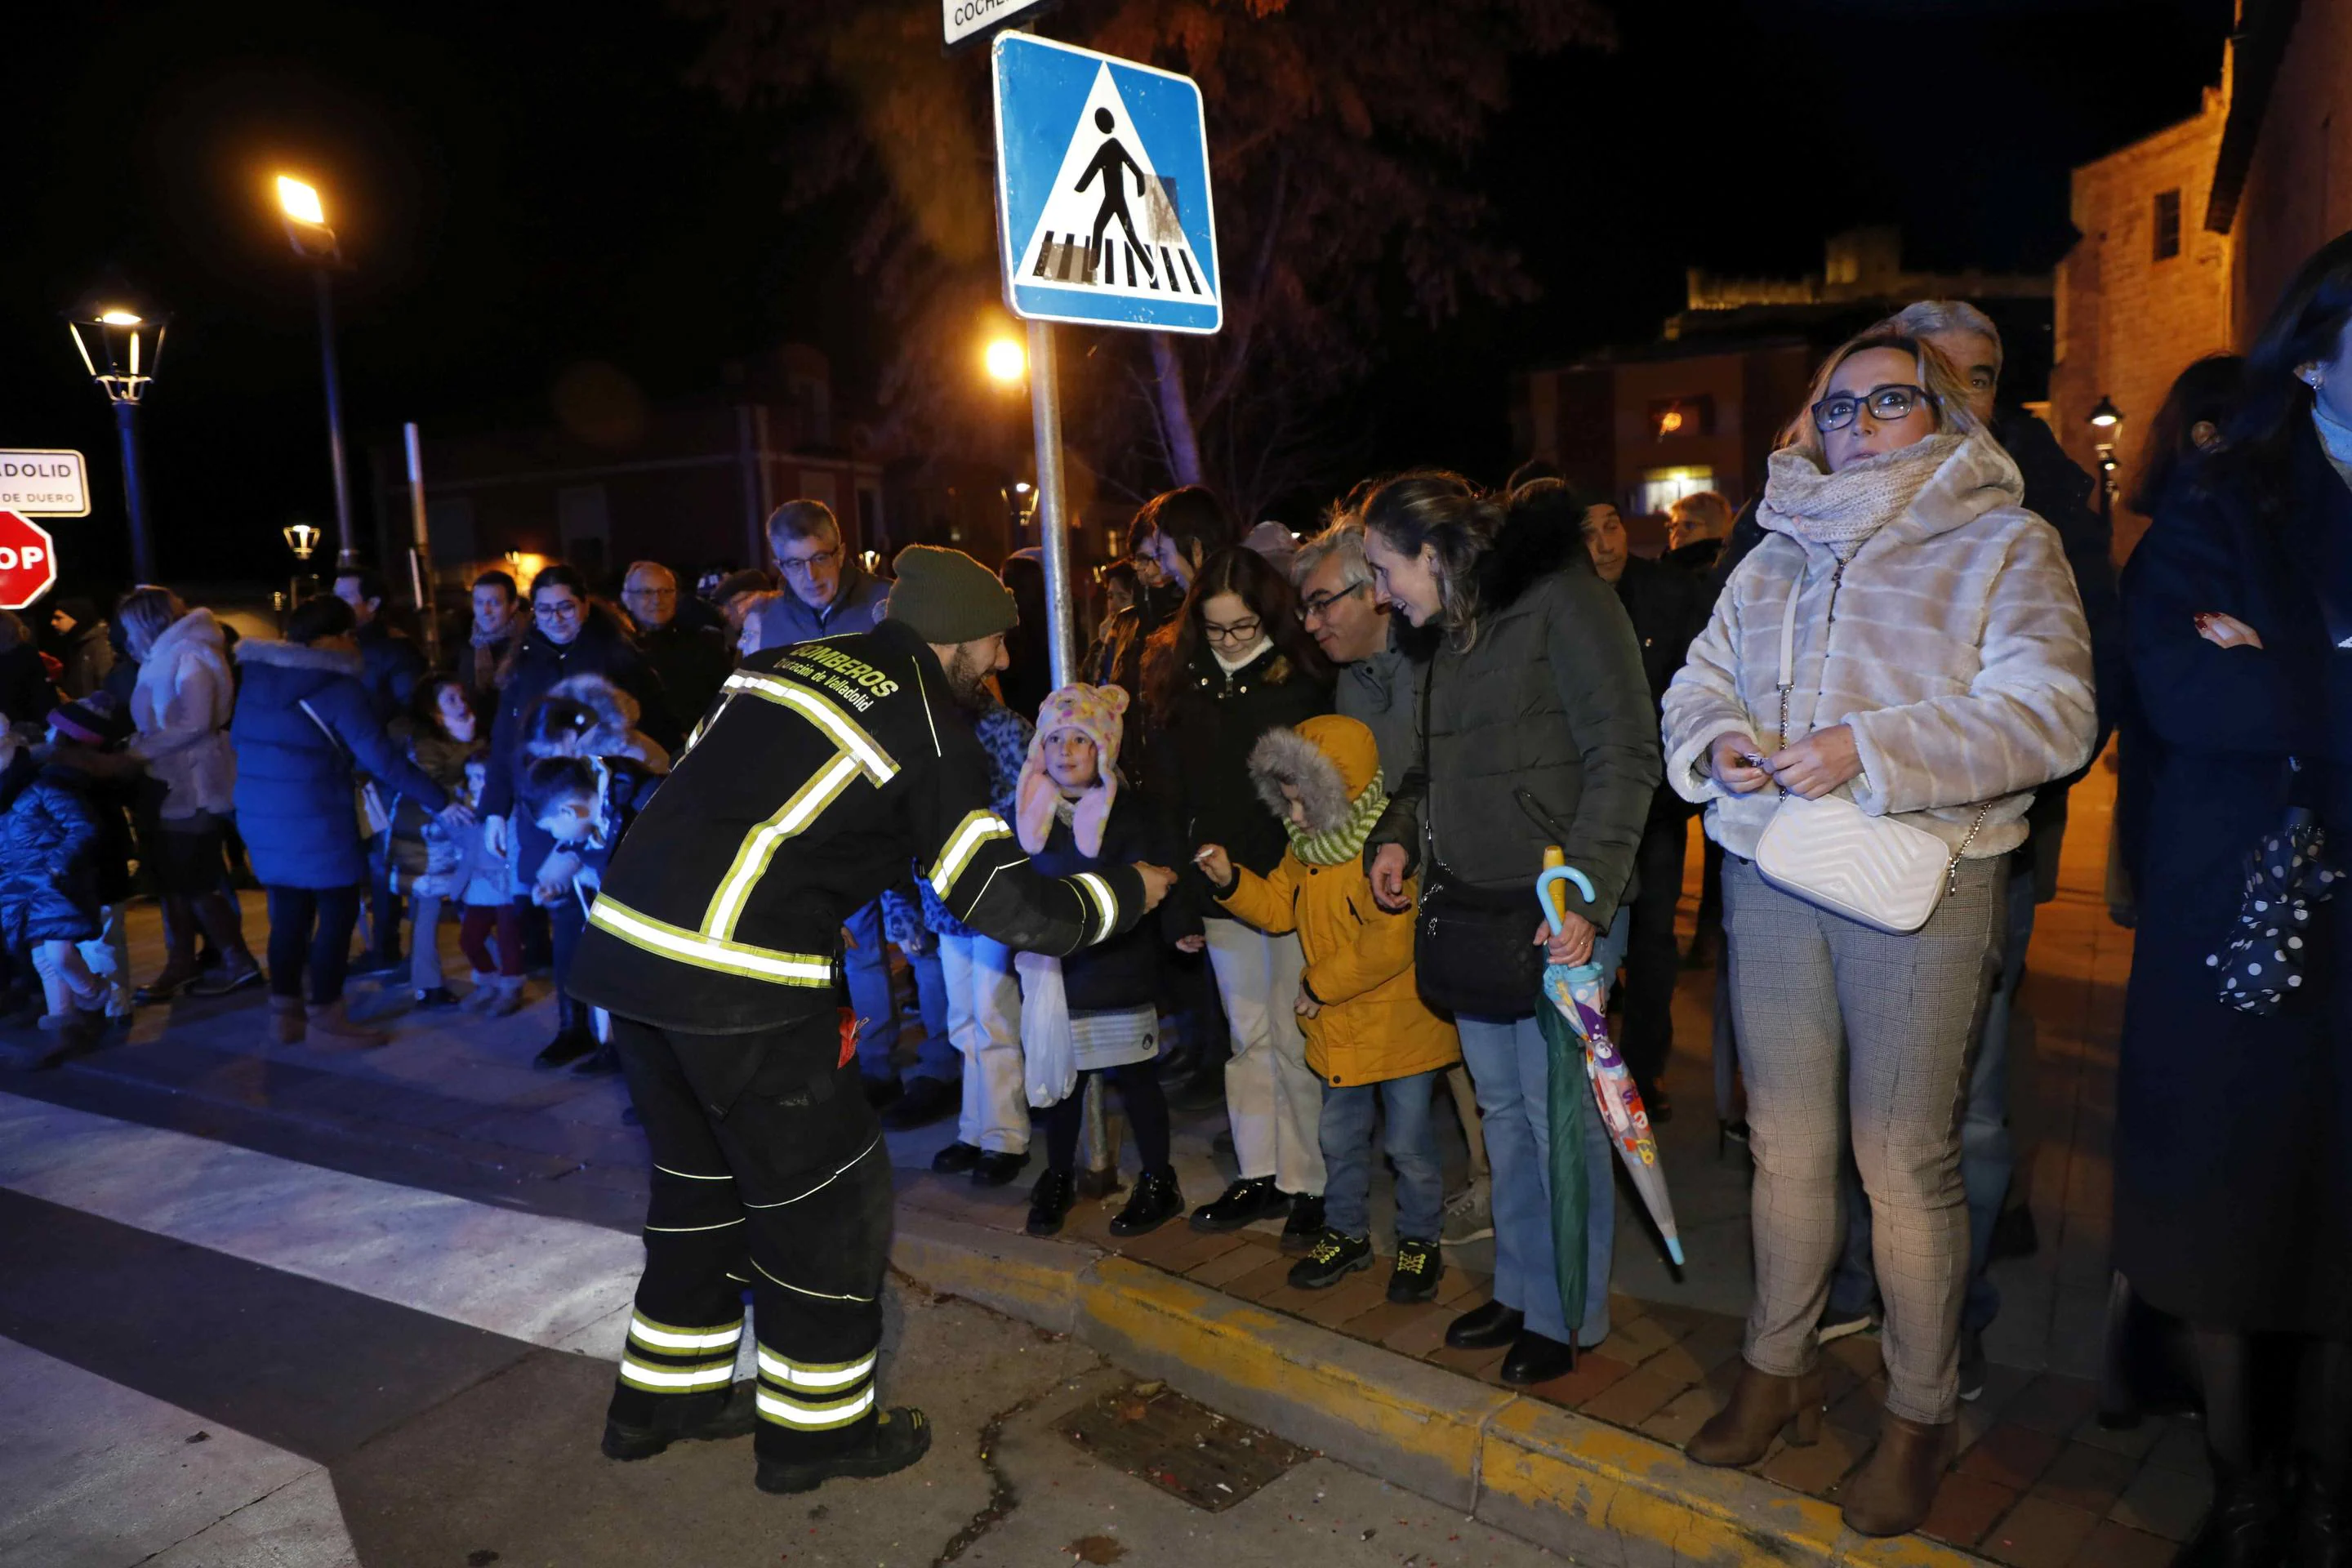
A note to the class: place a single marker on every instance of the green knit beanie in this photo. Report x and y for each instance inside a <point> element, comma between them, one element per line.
<point>945,596</point>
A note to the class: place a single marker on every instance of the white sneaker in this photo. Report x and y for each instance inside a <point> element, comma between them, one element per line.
<point>1469,1215</point>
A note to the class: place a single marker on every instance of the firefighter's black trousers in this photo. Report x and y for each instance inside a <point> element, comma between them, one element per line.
<point>769,1169</point>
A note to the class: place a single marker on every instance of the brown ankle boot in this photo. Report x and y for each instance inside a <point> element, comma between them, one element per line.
<point>341,1029</point>
<point>1760,1404</point>
<point>1895,1487</point>
<point>286,1020</point>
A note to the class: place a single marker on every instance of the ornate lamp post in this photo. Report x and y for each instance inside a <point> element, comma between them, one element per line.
<point>119,348</point>
<point>2106,422</point>
<point>307,232</point>
<point>303,541</point>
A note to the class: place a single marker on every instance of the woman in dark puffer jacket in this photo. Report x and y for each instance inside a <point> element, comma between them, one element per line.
<point>303,722</point>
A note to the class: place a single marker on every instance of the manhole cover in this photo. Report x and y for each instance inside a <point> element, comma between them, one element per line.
<point>1178,1446</point>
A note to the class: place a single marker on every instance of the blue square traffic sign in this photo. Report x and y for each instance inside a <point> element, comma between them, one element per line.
<point>1102,191</point>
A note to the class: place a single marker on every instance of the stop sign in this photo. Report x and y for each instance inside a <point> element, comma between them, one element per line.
<point>28,561</point>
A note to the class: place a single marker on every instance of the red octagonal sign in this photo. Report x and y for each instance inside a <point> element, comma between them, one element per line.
<point>28,561</point>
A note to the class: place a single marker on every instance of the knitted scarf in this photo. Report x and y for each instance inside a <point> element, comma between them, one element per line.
<point>1845,508</point>
<point>1337,845</point>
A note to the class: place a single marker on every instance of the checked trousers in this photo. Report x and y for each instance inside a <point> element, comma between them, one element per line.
<point>770,1172</point>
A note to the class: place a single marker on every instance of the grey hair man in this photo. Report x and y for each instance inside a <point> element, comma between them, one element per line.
<point>826,591</point>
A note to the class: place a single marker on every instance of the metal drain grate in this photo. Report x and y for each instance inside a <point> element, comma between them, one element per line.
<point>1180,1446</point>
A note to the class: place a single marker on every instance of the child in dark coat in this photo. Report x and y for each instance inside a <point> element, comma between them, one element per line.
<point>65,854</point>
<point>1073,820</point>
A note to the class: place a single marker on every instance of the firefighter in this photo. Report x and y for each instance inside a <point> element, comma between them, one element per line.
<point>714,943</point>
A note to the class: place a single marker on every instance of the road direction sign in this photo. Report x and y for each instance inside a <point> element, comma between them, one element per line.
<point>38,482</point>
<point>1102,185</point>
<point>28,561</point>
<point>960,21</point>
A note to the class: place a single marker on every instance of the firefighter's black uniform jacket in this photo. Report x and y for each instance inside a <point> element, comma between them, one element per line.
<point>822,770</point>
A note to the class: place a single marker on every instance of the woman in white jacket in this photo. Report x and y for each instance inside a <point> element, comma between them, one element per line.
<point>181,705</point>
<point>1909,637</point>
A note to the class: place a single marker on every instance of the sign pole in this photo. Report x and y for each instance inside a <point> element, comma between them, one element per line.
<point>420,553</point>
<point>134,491</point>
<point>1053,504</point>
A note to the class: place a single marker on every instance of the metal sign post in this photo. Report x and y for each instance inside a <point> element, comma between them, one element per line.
<point>1052,505</point>
<point>420,550</point>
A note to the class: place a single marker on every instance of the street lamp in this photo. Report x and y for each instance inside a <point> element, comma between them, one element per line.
<point>314,242</point>
<point>2106,422</point>
<point>1007,362</point>
<point>119,348</point>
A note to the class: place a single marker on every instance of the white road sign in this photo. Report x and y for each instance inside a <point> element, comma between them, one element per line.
<point>965,19</point>
<point>40,483</point>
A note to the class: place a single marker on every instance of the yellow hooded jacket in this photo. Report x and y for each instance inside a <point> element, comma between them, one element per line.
<point>1373,1024</point>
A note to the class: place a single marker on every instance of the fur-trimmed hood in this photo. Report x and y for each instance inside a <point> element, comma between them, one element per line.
<point>1329,761</point>
<point>297,655</point>
<point>614,732</point>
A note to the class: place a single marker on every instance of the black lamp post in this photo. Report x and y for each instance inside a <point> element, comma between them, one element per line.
<point>119,348</point>
<point>2106,422</point>
<point>314,242</point>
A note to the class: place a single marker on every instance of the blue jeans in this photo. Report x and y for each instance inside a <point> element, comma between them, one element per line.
<point>1511,1069</point>
<point>868,963</point>
<point>1347,1138</point>
<point>1987,1153</point>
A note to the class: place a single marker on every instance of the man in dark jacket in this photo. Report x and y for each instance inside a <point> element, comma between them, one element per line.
<point>81,647</point>
<point>1668,608</point>
<point>502,620</point>
<point>693,660</point>
<point>825,591</point>
<point>716,948</point>
<point>569,635</point>
<point>389,662</point>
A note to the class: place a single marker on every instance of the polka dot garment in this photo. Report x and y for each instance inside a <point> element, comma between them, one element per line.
<point>2285,877</point>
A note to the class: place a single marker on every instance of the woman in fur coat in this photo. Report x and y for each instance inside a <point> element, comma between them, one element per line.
<point>1910,639</point>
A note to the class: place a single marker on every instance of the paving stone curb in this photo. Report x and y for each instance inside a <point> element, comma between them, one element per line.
<point>1582,1486</point>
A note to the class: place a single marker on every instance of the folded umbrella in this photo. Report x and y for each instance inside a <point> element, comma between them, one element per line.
<point>1579,994</point>
<point>2287,873</point>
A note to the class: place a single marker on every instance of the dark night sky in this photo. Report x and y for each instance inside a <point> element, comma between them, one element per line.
<point>530,183</point>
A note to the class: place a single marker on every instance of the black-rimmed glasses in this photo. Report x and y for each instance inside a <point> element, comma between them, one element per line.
<point>1887,404</point>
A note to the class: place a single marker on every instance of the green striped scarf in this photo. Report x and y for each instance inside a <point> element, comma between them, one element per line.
<point>1337,845</point>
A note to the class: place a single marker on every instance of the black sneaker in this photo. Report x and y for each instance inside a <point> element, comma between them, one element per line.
<point>1155,1201</point>
<point>1972,1365</point>
<point>738,1417</point>
<point>1244,1203</point>
<point>1050,1201</point>
<point>1305,1228</point>
<point>1837,1323</point>
<point>1418,1269</point>
<point>955,1159</point>
<point>900,1437</point>
<point>1333,1259</point>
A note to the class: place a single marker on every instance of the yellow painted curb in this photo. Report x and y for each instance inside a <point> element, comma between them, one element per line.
<point>1595,1491</point>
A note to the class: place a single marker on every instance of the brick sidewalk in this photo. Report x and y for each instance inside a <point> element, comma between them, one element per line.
<point>2037,1482</point>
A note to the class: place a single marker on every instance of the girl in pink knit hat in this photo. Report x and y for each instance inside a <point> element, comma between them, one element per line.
<point>1073,818</point>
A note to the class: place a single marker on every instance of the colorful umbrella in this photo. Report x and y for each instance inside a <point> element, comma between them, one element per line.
<point>1579,995</point>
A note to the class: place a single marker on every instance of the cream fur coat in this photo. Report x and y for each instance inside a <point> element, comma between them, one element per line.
<point>1957,652</point>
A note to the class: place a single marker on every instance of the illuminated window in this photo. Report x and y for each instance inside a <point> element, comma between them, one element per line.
<point>2168,224</point>
<point>1661,488</point>
<point>1671,418</point>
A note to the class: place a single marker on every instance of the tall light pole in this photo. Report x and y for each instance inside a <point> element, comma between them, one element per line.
<point>307,232</point>
<point>1009,361</point>
<point>119,348</point>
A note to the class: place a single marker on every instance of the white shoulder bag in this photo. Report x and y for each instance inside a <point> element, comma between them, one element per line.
<point>1874,870</point>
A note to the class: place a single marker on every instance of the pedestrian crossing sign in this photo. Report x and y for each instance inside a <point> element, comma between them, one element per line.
<point>1102,191</point>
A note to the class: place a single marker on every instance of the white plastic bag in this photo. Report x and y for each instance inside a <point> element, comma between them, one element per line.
<point>1049,1055</point>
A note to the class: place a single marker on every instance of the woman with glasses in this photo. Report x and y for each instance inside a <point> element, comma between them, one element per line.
<point>569,635</point>
<point>1909,637</point>
<point>1233,664</point>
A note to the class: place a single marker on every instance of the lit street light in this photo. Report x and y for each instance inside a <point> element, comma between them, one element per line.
<point>1008,363</point>
<point>314,242</point>
<point>119,348</point>
<point>2106,422</point>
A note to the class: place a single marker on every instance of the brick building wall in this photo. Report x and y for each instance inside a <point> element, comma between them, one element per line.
<point>2131,317</point>
<point>2298,189</point>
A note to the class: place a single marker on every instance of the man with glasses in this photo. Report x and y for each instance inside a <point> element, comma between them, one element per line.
<point>827,591</point>
<point>693,662</point>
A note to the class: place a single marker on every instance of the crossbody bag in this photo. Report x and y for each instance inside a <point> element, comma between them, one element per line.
<point>1874,870</point>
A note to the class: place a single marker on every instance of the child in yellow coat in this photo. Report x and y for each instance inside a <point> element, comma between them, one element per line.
<point>1368,1035</point>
